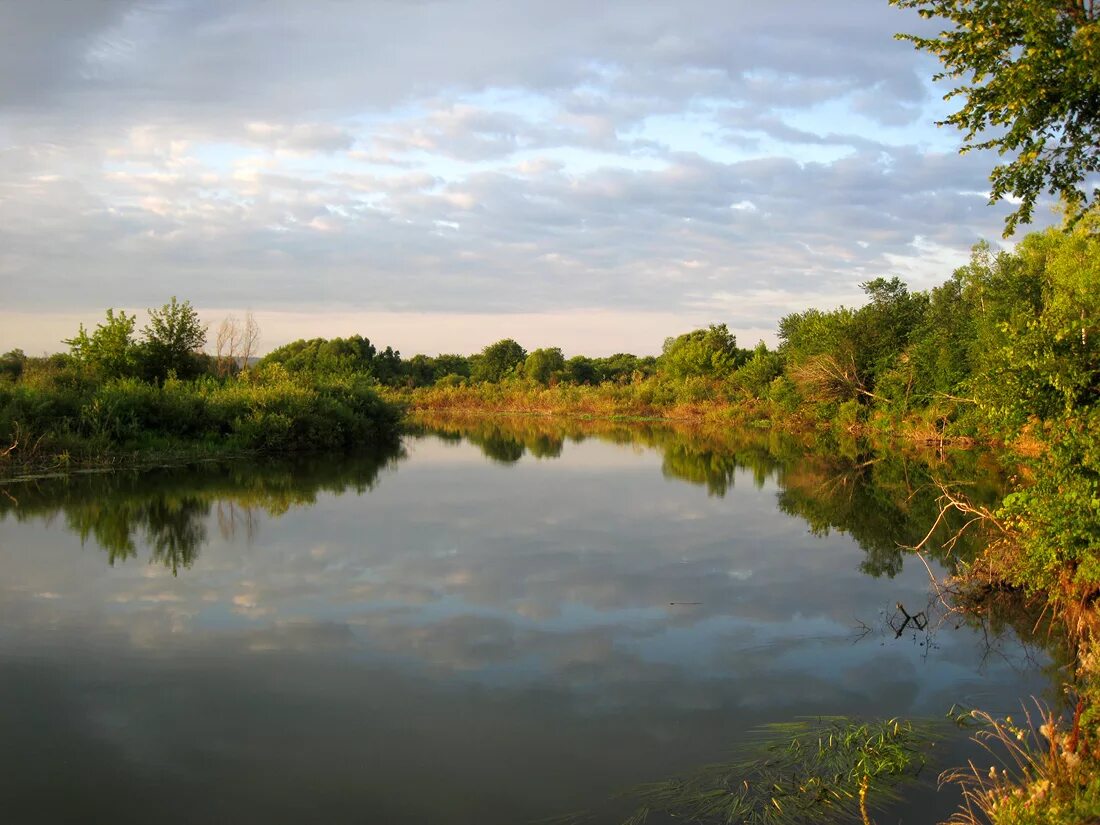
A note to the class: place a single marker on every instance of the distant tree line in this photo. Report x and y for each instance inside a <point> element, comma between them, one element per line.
<point>500,361</point>
<point>1009,338</point>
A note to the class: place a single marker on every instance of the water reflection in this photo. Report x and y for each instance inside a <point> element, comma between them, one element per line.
<point>885,499</point>
<point>531,613</point>
<point>167,509</point>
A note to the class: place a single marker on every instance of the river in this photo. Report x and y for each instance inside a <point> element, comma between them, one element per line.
<point>498,622</point>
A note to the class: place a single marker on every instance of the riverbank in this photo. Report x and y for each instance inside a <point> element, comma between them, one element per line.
<point>703,403</point>
<point>60,423</point>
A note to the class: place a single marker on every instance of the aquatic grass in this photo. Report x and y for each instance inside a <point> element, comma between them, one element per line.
<point>821,770</point>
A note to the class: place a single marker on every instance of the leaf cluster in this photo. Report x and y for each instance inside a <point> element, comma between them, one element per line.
<point>1028,73</point>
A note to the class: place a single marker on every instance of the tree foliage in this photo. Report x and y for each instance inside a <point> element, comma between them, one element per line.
<point>320,355</point>
<point>623,367</point>
<point>172,339</point>
<point>757,374</point>
<point>1037,326</point>
<point>12,364</point>
<point>1028,72</point>
<point>842,355</point>
<point>498,360</point>
<point>542,364</point>
<point>703,352</point>
<point>109,350</point>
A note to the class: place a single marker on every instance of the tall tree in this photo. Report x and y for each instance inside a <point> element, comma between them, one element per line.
<point>109,350</point>
<point>12,363</point>
<point>172,340</point>
<point>328,355</point>
<point>541,364</point>
<point>250,339</point>
<point>1028,72</point>
<point>711,352</point>
<point>498,360</point>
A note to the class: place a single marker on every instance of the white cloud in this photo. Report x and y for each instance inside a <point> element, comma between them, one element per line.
<point>406,158</point>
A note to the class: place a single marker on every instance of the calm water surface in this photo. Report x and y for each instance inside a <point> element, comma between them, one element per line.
<point>495,624</point>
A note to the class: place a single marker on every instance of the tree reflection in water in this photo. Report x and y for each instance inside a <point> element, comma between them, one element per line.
<point>168,509</point>
<point>883,498</point>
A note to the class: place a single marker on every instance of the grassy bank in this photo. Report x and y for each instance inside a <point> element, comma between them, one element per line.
<point>63,419</point>
<point>700,401</point>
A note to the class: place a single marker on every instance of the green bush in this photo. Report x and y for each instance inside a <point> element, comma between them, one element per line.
<point>849,415</point>
<point>1057,517</point>
<point>267,409</point>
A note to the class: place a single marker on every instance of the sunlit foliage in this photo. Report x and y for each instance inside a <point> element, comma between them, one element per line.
<point>1026,73</point>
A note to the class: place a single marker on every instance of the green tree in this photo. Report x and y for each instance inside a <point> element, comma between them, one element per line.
<point>498,360</point>
<point>622,367</point>
<point>710,353</point>
<point>1027,72</point>
<point>419,371</point>
<point>888,319</point>
<point>842,354</point>
<point>11,364</point>
<point>821,350</point>
<point>938,361</point>
<point>320,355</point>
<point>886,325</point>
<point>172,341</point>
<point>352,354</point>
<point>451,364</point>
<point>110,350</point>
<point>541,364</point>
<point>424,370</point>
<point>581,369</point>
<point>1057,516</point>
<point>757,374</point>
<point>1038,326</point>
<point>387,367</point>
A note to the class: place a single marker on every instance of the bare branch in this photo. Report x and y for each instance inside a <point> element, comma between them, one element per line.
<point>250,339</point>
<point>227,343</point>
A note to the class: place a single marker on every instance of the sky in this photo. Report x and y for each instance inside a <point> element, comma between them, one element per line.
<point>437,175</point>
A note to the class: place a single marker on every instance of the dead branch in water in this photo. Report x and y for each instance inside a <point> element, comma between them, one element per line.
<point>949,500</point>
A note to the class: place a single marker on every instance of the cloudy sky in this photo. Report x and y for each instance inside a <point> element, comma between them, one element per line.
<point>437,175</point>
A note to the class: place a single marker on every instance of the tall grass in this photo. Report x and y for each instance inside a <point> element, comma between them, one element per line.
<point>694,399</point>
<point>1044,772</point>
<point>687,399</point>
